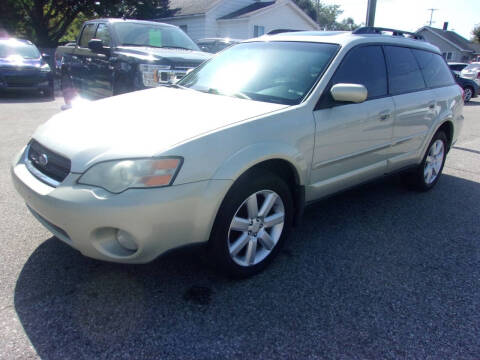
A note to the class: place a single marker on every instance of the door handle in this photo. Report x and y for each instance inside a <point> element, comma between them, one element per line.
<point>384,115</point>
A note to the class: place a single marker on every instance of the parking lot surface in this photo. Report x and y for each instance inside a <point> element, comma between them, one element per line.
<point>375,272</point>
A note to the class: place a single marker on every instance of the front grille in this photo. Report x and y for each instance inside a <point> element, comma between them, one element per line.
<point>47,162</point>
<point>23,80</point>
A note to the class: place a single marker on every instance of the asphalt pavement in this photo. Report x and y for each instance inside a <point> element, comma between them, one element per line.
<point>375,272</point>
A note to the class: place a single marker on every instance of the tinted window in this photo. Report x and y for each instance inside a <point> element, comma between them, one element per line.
<point>457,67</point>
<point>403,70</point>
<point>364,65</point>
<point>87,35</point>
<point>103,34</point>
<point>434,69</point>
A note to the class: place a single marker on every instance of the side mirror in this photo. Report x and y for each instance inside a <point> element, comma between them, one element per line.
<point>355,93</point>
<point>46,57</point>
<point>96,45</point>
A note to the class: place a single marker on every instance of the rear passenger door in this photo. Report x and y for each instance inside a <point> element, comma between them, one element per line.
<point>352,141</point>
<point>414,105</point>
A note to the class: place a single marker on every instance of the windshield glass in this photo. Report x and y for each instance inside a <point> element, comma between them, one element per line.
<point>135,34</point>
<point>278,72</point>
<point>16,48</point>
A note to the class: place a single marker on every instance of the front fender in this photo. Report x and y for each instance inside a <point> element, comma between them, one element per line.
<point>244,159</point>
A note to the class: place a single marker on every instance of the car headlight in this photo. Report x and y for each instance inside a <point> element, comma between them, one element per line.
<point>120,175</point>
<point>150,75</point>
<point>45,68</point>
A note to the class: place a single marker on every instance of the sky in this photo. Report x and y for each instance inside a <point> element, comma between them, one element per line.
<point>410,15</point>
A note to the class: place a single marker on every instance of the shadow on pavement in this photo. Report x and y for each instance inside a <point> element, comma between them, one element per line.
<point>23,97</point>
<point>376,272</point>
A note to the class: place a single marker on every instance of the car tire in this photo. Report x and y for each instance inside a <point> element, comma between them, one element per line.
<point>426,175</point>
<point>468,93</point>
<point>244,247</point>
<point>49,93</point>
<point>68,91</point>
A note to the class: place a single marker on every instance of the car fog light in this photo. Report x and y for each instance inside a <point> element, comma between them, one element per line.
<point>126,240</point>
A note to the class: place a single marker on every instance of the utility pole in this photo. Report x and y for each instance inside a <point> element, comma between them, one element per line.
<point>431,16</point>
<point>318,12</point>
<point>372,6</point>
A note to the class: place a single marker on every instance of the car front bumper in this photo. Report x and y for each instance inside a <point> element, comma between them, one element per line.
<point>87,218</point>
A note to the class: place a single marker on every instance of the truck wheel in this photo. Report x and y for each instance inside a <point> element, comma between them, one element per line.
<point>252,224</point>
<point>68,91</point>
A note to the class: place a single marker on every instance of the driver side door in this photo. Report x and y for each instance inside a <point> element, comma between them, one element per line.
<point>353,140</point>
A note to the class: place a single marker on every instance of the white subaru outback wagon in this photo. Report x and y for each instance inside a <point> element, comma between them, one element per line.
<point>232,153</point>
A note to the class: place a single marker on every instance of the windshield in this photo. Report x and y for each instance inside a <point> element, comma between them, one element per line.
<point>14,48</point>
<point>135,34</point>
<point>278,72</point>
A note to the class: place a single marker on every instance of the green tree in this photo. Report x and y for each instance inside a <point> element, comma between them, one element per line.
<point>347,24</point>
<point>325,15</point>
<point>476,34</point>
<point>46,22</point>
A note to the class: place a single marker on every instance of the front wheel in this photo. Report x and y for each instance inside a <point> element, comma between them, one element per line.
<point>252,223</point>
<point>427,174</point>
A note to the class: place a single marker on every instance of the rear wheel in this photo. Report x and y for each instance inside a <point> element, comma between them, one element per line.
<point>468,93</point>
<point>427,174</point>
<point>252,223</point>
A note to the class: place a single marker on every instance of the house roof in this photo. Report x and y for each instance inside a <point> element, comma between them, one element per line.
<point>247,10</point>
<point>451,36</point>
<point>191,7</point>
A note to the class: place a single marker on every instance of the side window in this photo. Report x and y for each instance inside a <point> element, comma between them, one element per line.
<point>434,69</point>
<point>364,65</point>
<point>104,34</point>
<point>87,35</point>
<point>403,70</point>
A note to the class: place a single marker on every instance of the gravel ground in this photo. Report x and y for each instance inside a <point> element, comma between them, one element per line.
<point>375,272</point>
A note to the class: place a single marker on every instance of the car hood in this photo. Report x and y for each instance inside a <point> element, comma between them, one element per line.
<point>141,124</point>
<point>172,55</point>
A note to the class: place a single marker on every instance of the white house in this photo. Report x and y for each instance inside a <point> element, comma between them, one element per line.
<point>237,19</point>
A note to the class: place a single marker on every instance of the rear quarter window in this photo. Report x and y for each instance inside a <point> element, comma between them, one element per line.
<point>434,69</point>
<point>404,73</point>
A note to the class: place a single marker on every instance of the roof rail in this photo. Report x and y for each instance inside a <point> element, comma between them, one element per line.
<point>380,31</point>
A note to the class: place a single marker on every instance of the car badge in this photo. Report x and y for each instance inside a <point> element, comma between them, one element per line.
<point>43,160</point>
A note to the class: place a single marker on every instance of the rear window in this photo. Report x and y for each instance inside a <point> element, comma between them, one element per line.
<point>404,73</point>
<point>434,69</point>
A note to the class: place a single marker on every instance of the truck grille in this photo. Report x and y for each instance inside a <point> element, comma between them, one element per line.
<point>47,162</point>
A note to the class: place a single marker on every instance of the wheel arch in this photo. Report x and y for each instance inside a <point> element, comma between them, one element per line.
<point>283,161</point>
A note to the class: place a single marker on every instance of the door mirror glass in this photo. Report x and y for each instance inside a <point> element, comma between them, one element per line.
<point>355,93</point>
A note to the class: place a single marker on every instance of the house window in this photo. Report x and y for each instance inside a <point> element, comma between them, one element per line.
<point>184,28</point>
<point>447,55</point>
<point>258,30</point>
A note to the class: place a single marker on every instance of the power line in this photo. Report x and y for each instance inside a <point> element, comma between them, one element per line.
<point>431,16</point>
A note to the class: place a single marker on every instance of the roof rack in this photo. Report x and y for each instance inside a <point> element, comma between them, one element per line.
<point>380,31</point>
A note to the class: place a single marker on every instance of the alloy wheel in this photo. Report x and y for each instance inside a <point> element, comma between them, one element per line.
<point>434,161</point>
<point>256,228</point>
